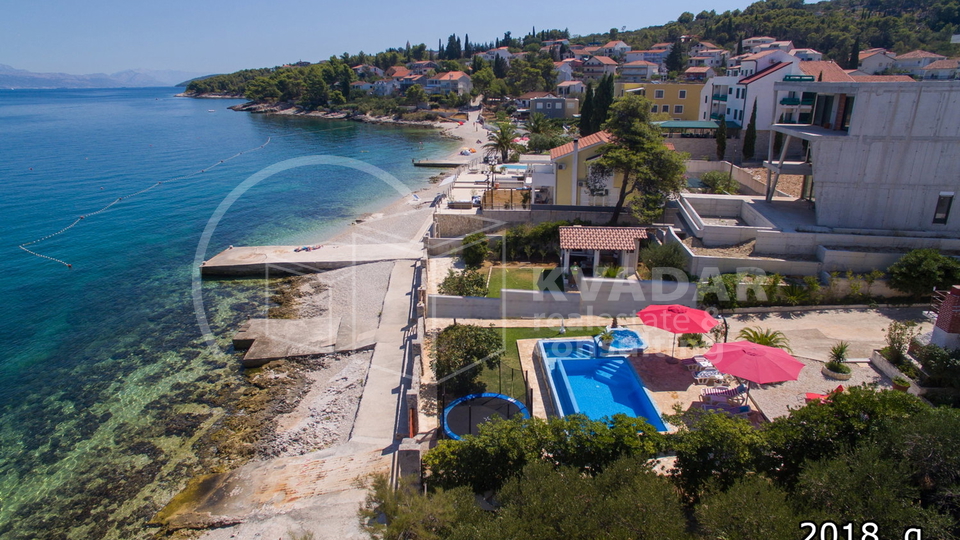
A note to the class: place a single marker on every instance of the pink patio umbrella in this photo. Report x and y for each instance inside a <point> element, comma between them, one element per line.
<point>756,363</point>
<point>677,319</point>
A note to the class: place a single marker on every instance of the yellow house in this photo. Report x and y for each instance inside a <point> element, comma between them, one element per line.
<point>573,160</point>
<point>680,100</point>
<point>572,183</point>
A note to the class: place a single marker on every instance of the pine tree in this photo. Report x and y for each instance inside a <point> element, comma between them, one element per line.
<point>750,137</point>
<point>674,61</point>
<point>586,112</point>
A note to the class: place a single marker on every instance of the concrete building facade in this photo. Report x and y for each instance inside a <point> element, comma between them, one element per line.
<point>882,156</point>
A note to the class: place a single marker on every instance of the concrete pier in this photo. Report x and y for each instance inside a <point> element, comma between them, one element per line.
<point>281,260</point>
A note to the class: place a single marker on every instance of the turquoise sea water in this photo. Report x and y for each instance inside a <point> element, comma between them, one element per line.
<point>104,378</point>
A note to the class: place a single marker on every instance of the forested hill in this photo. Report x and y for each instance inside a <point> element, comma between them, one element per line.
<point>837,28</point>
<point>833,28</point>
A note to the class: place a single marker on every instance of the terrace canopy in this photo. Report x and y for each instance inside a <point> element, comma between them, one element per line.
<point>694,128</point>
<point>590,243</point>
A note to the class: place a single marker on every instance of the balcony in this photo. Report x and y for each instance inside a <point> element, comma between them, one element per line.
<point>719,97</point>
<point>717,117</point>
<point>799,78</point>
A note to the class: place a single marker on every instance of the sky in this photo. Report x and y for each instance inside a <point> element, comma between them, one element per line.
<point>220,36</point>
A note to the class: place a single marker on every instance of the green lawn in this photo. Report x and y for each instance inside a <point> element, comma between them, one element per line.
<point>512,278</point>
<point>511,372</point>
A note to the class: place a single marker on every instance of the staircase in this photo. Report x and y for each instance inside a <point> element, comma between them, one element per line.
<point>587,349</point>
<point>608,369</point>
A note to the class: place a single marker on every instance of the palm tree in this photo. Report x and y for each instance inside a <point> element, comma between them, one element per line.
<point>538,124</point>
<point>501,141</point>
<point>765,336</point>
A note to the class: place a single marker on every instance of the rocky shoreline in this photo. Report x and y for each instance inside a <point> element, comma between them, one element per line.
<point>290,109</point>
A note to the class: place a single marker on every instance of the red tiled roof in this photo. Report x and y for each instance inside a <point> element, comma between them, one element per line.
<point>600,137</point>
<point>639,63</point>
<point>612,44</point>
<point>870,52</point>
<point>824,71</point>
<point>534,95</point>
<point>763,73</point>
<point>450,76</point>
<point>919,54</point>
<point>662,45</point>
<point>397,71</point>
<point>759,55</point>
<point>606,60</point>
<point>697,69</point>
<point>882,78</point>
<point>708,45</point>
<point>949,63</point>
<point>612,238</point>
<point>570,83</point>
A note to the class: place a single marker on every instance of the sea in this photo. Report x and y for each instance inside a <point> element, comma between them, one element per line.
<point>107,378</point>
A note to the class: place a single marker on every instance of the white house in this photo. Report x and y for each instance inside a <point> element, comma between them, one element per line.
<point>750,43</point>
<point>942,70</point>
<point>638,71</point>
<point>873,61</point>
<point>362,86</point>
<point>915,61</point>
<point>386,87</point>
<point>564,71</point>
<point>708,57</point>
<point>614,49</point>
<point>695,50</point>
<point>807,55</point>
<point>731,97</point>
<point>457,82</point>
<point>657,56</point>
<point>366,70</point>
<point>500,52</point>
<point>597,66</point>
<point>570,88</point>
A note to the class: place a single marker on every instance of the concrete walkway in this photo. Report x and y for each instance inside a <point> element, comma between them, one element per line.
<point>260,260</point>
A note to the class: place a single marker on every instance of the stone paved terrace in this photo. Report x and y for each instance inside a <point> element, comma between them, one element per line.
<point>811,334</point>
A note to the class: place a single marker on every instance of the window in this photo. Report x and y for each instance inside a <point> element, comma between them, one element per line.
<point>728,111</point>
<point>549,105</point>
<point>653,109</point>
<point>730,91</point>
<point>678,109</point>
<point>942,212</point>
<point>658,94</point>
<point>539,105</point>
<point>683,94</point>
<point>705,98</point>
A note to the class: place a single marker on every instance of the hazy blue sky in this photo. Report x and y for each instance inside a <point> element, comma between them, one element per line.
<point>215,36</point>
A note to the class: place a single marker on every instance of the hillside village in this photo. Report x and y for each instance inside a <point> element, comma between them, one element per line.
<point>627,222</point>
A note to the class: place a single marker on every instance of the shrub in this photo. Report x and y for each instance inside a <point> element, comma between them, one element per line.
<point>765,336</point>
<point>920,271</point>
<point>838,353</point>
<point>720,182</point>
<point>663,256</point>
<point>941,365</point>
<point>691,340</point>
<point>837,367</point>
<point>459,346</point>
<point>464,283</point>
<point>899,336</point>
<point>475,250</point>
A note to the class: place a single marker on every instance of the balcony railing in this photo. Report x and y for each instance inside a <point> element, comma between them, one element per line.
<point>798,78</point>
<point>719,97</point>
<point>716,117</point>
<point>790,101</point>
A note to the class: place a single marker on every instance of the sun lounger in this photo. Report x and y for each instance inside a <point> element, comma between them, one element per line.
<point>733,396</point>
<point>709,376</point>
<point>812,397</point>
<point>697,363</point>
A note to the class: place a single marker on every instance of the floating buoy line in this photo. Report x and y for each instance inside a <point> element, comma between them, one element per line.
<point>119,199</point>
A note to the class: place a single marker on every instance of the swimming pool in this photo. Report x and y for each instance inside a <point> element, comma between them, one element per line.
<point>625,343</point>
<point>514,167</point>
<point>598,387</point>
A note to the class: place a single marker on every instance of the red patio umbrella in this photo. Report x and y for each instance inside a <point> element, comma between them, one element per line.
<point>756,363</point>
<point>677,319</point>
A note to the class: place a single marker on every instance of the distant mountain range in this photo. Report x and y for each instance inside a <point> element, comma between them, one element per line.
<point>12,78</point>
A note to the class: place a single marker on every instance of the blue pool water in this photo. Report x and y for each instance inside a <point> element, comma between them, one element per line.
<point>625,342</point>
<point>514,167</point>
<point>601,387</point>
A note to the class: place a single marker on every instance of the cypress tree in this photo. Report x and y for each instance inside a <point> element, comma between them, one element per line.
<point>674,61</point>
<point>750,137</point>
<point>721,139</point>
<point>854,61</point>
<point>602,100</point>
<point>586,112</point>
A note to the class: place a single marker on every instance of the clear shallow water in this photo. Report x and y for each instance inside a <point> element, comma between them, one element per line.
<point>104,379</point>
